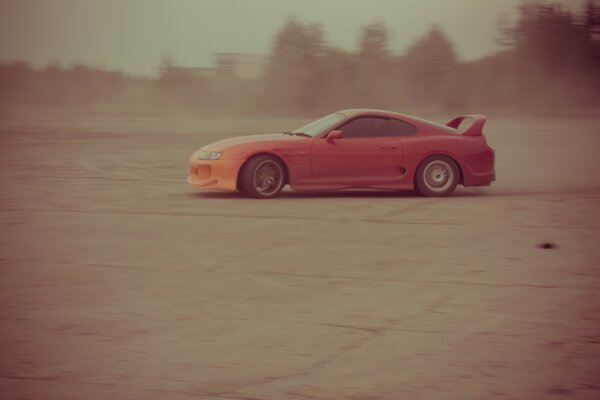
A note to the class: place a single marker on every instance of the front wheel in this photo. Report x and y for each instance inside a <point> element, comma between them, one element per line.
<point>263,177</point>
<point>437,176</point>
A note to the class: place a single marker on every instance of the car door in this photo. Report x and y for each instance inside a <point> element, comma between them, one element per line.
<point>368,152</point>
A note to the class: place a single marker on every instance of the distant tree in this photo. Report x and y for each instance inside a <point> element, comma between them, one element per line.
<point>374,64</point>
<point>174,75</point>
<point>184,88</point>
<point>431,66</point>
<point>294,70</point>
<point>549,36</point>
<point>166,63</point>
<point>374,50</point>
<point>592,27</point>
<point>554,56</point>
<point>337,74</point>
<point>17,81</point>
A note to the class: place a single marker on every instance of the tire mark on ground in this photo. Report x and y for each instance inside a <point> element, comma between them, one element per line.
<point>284,217</point>
<point>352,345</point>
<point>425,281</point>
<point>61,380</point>
<point>320,276</point>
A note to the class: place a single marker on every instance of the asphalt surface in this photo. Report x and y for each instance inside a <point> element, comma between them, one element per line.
<point>120,281</point>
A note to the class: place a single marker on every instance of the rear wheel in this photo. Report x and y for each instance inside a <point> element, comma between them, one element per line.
<point>437,176</point>
<point>263,177</point>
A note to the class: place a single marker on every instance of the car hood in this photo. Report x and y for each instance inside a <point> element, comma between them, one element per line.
<point>269,137</point>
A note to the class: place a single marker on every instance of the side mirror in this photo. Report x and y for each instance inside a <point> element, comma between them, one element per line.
<point>331,136</point>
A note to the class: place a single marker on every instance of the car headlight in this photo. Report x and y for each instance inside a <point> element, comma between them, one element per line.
<point>209,155</point>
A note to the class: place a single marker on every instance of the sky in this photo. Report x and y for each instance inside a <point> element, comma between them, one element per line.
<point>133,35</point>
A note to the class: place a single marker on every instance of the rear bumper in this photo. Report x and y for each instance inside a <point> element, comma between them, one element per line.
<point>478,169</point>
<point>214,174</point>
<point>471,178</point>
<point>480,180</point>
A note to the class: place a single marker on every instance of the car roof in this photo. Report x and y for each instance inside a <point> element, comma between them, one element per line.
<point>371,111</point>
<point>355,112</point>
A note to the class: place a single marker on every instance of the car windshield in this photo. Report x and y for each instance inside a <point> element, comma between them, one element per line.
<point>319,126</point>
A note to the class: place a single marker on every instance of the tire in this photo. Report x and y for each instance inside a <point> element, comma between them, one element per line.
<point>437,176</point>
<point>263,177</point>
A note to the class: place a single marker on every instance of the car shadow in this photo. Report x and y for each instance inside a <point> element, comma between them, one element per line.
<point>335,194</point>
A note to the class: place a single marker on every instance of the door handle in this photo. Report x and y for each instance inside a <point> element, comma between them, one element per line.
<point>389,148</point>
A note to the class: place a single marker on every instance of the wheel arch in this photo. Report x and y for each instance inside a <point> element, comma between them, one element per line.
<point>286,170</point>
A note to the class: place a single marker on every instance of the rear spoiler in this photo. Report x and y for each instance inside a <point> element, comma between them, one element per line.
<point>476,128</point>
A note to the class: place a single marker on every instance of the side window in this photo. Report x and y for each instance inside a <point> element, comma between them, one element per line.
<point>366,127</point>
<point>401,128</point>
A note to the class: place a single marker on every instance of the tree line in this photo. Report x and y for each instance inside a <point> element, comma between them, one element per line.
<point>549,65</point>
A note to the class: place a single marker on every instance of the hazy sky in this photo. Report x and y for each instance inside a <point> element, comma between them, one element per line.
<point>133,34</point>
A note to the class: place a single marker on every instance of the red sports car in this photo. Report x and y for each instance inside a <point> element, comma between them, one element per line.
<point>351,149</point>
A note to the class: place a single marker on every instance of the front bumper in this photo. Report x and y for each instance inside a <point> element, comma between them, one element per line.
<point>214,174</point>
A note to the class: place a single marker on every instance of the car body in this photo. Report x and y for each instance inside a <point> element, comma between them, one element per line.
<point>352,149</point>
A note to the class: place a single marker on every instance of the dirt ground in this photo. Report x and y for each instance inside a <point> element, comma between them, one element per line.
<point>118,281</point>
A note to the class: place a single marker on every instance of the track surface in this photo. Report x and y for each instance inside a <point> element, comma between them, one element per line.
<point>119,281</point>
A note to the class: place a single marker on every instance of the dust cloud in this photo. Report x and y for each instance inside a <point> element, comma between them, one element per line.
<point>544,155</point>
<point>548,67</point>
